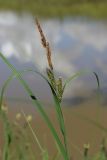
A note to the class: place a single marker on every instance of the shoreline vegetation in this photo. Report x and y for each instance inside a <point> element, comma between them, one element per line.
<point>60,136</point>
<point>16,134</point>
<point>53,8</point>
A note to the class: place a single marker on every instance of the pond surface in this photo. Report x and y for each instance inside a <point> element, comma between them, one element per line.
<point>77,43</point>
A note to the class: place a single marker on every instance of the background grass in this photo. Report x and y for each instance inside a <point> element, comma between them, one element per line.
<point>53,8</point>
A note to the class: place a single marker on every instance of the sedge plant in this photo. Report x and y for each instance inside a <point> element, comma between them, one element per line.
<point>57,87</point>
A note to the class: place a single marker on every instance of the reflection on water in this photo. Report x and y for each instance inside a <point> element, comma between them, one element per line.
<point>76,43</point>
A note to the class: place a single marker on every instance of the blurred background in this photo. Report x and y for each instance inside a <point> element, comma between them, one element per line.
<point>77,32</point>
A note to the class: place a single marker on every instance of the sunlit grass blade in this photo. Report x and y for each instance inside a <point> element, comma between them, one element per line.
<point>39,106</point>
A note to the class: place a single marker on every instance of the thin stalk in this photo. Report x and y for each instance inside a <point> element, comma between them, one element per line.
<point>33,133</point>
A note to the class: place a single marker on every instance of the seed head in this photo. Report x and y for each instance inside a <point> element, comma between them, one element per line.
<point>29,118</point>
<point>43,39</point>
<point>45,44</point>
<point>18,116</point>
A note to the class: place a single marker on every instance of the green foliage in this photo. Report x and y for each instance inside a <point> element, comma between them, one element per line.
<point>53,8</point>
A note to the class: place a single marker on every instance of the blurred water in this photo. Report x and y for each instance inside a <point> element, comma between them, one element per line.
<point>76,42</point>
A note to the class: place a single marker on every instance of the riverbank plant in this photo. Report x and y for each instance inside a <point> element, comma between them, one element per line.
<point>57,86</point>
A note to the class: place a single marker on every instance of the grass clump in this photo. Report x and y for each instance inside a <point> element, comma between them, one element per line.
<point>57,87</point>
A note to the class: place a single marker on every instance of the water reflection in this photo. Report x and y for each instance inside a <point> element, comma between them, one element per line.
<point>76,43</point>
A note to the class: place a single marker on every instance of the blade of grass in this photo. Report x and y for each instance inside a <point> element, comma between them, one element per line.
<point>80,73</point>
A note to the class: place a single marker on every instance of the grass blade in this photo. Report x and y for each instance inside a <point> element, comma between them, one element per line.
<point>80,73</point>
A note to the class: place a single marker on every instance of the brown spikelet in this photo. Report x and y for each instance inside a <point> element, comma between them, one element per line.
<point>43,39</point>
<point>45,44</point>
<point>49,55</point>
